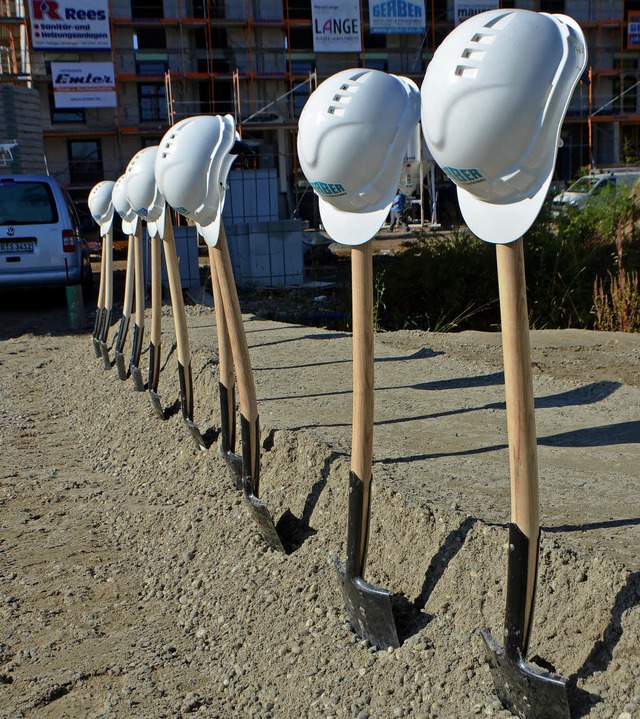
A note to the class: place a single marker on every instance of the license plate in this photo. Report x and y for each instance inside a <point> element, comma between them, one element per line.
<point>8,247</point>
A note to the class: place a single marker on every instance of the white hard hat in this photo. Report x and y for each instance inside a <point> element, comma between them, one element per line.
<point>493,101</point>
<point>123,207</point>
<point>192,158</point>
<point>352,136</point>
<point>142,191</point>
<point>101,206</point>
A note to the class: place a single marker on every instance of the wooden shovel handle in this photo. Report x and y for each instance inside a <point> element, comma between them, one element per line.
<point>521,428</point>
<point>107,256</point>
<point>138,273</point>
<point>106,241</point>
<point>224,342</point>
<point>156,291</point>
<point>175,289</point>
<point>128,280</point>
<point>239,346</point>
<point>363,378</point>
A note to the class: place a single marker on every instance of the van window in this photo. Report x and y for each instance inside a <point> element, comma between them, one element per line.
<point>27,203</point>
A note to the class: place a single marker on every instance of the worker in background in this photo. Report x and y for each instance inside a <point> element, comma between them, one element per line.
<point>397,211</point>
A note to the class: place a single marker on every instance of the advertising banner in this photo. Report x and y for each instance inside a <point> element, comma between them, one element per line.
<point>633,37</point>
<point>336,26</point>
<point>85,84</point>
<point>402,16</point>
<point>70,24</point>
<point>464,9</point>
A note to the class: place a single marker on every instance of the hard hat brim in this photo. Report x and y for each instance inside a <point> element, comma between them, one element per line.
<point>351,228</point>
<point>501,223</point>
<point>105,227</point>
<point>211,233</point>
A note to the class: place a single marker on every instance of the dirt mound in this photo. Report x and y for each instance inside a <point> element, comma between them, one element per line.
<point>133,581</point>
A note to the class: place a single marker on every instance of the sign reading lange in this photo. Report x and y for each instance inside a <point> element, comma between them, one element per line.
<point>336,26</point>
<point>70,25</point>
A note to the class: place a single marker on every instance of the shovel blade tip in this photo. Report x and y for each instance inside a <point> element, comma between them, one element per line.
<point>369,610</point>
<point>524,689</point>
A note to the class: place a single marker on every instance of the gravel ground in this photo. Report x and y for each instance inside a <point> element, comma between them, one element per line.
<point>134,582</point>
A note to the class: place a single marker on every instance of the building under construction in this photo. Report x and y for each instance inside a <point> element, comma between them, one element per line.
<point>258,60</point>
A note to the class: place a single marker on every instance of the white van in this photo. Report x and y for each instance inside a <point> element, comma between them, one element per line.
<point>590,186</point>
<point>41,244</point>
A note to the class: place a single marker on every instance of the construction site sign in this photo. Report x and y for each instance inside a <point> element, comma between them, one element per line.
<point>401,16</point>
<point>83,84</point>
<point>336,26</point>
<point>70,25</point>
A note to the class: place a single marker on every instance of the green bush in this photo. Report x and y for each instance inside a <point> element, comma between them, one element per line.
<point>449,282</point>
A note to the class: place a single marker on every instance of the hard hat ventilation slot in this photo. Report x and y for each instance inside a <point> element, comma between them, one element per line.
<point>339,111</point>
<point>466,71</point>
<point>469,54</point>
<point>483,38</point>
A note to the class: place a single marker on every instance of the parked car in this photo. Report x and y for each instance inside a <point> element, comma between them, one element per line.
<point>589,187</point>
<point>41,243</point>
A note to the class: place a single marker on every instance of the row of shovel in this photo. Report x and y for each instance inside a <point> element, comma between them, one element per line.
<point>521,686</point>
<point>233,352</point>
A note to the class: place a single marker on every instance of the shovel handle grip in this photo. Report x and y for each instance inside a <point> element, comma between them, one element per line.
<point>521,426</point>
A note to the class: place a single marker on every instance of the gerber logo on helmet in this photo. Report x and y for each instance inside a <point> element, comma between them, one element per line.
<point>464,176</point>
<point>329,189</point>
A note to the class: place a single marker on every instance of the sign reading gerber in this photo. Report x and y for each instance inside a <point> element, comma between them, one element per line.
<point>70,25</point>
<point>87,84</point>
<point>336,26</point>
<point>402,16</point>
<point>464,9</point>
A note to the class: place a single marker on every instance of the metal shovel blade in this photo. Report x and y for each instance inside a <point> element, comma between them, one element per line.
<point>368,607</point>
<point>251,479</point>
<point>119,356</point>
<point>523,688</point>
<point>121,366</point>
<point>154,376</point>
<point>134,362</point>
<point>136,376</point>
<point>263,518</point>
<point>186,403</point>
<point>104,349</point>
<point>104,352</point>
<point>228,434</point>
<point>234,464</point>
<point>157,404</point>
<point>195,433</point>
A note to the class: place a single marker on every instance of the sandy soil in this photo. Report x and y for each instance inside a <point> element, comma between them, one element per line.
<point>134,582</point>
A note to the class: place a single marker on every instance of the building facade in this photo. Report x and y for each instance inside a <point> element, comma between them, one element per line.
<point>259,60</point>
